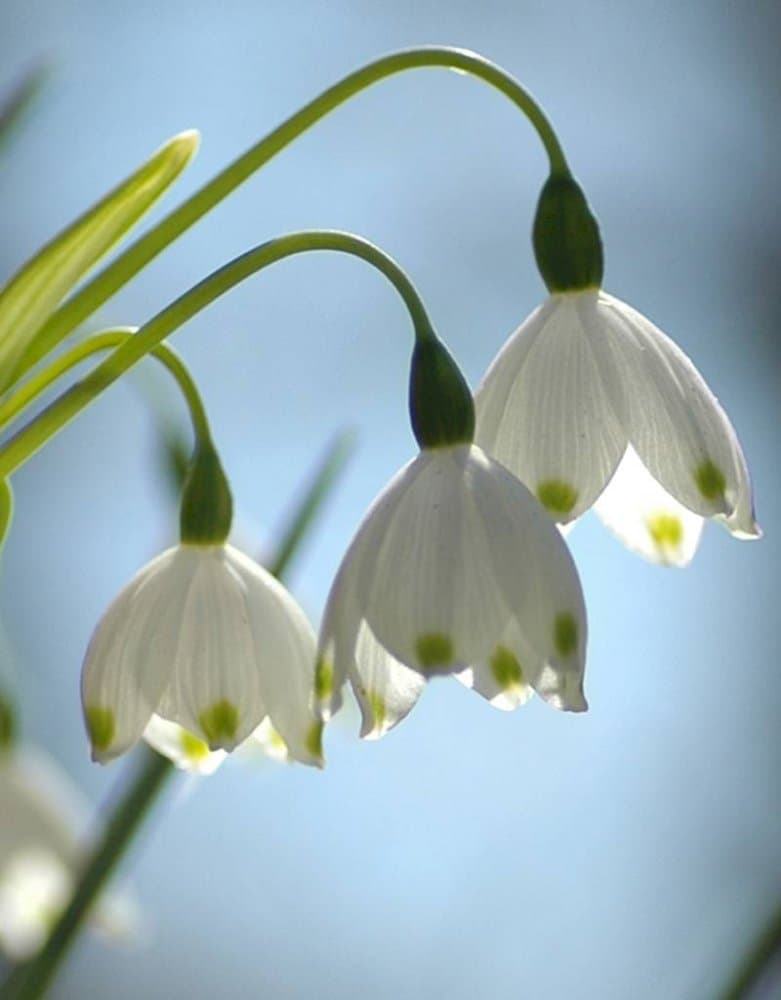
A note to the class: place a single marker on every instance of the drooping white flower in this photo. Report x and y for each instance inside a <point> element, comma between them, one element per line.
<point>189,753</point>
<point>42,850</point>
<point>589,403</point>
<point>456,568</point>
<point>205,638</point>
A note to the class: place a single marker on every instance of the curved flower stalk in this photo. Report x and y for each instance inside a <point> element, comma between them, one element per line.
<point>206,638</point>
<point>41,854</point>
<point>590,404</point>
<point>455,569</point>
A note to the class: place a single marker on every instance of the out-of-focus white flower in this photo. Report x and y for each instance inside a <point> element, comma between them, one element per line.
<point>189,753</point>
<point>456,568</point>
<point>41,852</point>
<point>589,396</point>
<point>206,638</point>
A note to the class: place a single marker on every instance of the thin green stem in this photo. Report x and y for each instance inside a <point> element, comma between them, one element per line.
<point>29,981</point>
<point>766,946</point>
<point>107,282</point>
<point>104,341</point>
<point>34,435</point>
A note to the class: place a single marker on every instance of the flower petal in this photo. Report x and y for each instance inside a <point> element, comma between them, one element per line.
<point>551,406</point>
<point>646,518</point>
<point>386,690</point>
<point>676,425</point>
<point>185,750</point>
<point>128,661</point>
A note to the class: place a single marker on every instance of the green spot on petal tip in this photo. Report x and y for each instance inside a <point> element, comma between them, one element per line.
<point>557,496</point>
<point>314,740</point>
<point>434,651</point>
<point>324,680</point>
<point>379,711</point>
<point>565,634</point>
<point>194,748</point>
<point>220,724</point>
<point>101,726</point>
<point>666,531</point>
<point>506,668</point>
<point>710,480</point>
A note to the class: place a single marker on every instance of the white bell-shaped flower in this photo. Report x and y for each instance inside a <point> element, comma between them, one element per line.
<point>457,569</point>
<point>43,845</point>
<point>189,753</point>
<point>589,403</point>
<point>205,638</point>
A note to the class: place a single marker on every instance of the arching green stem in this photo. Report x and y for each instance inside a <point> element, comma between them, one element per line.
<point>30,438</point>
<point>107,282</point>
<point>96,344</point>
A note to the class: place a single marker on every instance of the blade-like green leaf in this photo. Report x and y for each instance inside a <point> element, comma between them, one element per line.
<point>35,291</point>
<point>6,509</point>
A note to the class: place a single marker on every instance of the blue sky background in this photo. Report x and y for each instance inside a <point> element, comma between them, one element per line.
<point>630,852</point>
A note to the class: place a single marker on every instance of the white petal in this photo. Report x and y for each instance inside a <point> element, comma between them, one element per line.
<point>540,582</point>
<point>215,690</point>
<point>285,651</point>
<point>675,423</point>
<point>551,406</point>
<point>270,742</point>
<point>646,518</point>
<point>386,690</point>
<point>181,747</point>
<point>128,663</point>
<point>35,888</point>
<point>430,595</point>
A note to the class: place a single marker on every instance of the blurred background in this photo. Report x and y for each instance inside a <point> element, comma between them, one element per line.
<point>632,852</point>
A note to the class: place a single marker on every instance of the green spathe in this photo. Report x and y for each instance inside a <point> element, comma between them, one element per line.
<point>441,408</point>
<point>207,506</point>
<point>566,237</point>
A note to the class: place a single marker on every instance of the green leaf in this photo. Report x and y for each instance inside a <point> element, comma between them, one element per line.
<point>35,292</point>
<point>6,509</point>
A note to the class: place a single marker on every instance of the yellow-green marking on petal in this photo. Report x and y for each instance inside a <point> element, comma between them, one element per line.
<point>434,649</point>
<point>506,668</point>
<point>101,726</point>
<point>557,496</point>
<point>324,680</point>
<point>220,723</point>
<point>314,740</point>
<point>379,711</point>
<point>565,633</point>
<point>194,749</point>
<point>710,480</point>
<point>666,531</point>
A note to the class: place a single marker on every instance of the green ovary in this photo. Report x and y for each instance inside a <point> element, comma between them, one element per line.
<point>101,726</point>
<point>434,649</point>
<point>666,531</point>
<point>220,723</point>
<point>710,480</point>
<point>557,496</point>
<point>506,668</point>
<point>565,633</point>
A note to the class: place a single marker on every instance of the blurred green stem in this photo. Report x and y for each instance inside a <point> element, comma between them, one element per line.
<point>35,434</point>
<point>764,948</point>
<point>93,294</point>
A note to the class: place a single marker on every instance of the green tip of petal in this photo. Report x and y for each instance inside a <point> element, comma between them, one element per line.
<point>710,480</point>
<point>565,633</point>
<point>666,531</point>
<point>378,709</point>
<point>434,651</point>
<point>324,680</point>
<point>314,741</point>
<point>557,496</point>
<point>194,749</point>
<point>101,726</point>
<point>506,668</point>
<point>220,724</point>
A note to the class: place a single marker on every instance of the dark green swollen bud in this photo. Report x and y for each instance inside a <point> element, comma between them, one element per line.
<point>6,509</point>
<point>441,407</point>
<point>566,237</point>
<point>207,506</point>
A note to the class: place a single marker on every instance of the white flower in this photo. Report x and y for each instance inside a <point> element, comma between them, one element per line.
<point>586,393</point>
<point>456,568</point>
<point>41,854</point>
<point>205,638</point>
<point>189,753</point>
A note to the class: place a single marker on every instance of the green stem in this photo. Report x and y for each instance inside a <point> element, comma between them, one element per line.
<point>107,282</point>
<point>35,434</point>
<point>107,339</point>
<point>763,950</point>
<point>27,982</point>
